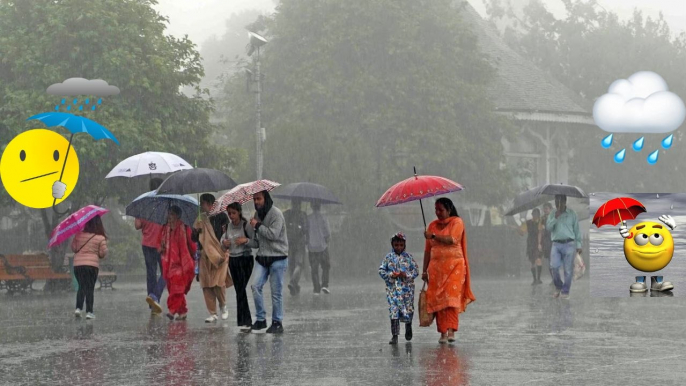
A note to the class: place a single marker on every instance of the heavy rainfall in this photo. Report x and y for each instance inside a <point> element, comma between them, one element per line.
<point>350,192</point>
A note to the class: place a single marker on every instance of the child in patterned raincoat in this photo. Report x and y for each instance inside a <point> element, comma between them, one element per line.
<point>399,270</point>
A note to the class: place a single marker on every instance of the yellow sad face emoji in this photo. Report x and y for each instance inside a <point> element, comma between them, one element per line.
<point>32,162</point>
<point>649,247</point>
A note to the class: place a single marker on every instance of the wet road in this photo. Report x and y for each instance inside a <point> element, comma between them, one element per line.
<point>514,334</point>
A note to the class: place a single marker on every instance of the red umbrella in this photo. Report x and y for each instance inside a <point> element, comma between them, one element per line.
<point>417,188</point>
<point>617,210</point>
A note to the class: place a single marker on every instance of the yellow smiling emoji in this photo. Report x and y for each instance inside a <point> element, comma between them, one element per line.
<point>32,162</point>
<point>649,247</point>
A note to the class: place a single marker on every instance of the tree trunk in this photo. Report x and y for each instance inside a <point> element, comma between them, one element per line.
<point>58,252</point>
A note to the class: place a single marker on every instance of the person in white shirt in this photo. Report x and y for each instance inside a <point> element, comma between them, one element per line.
<point>318,236</point>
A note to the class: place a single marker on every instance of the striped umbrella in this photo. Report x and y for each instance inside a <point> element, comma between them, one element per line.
<point>242,194</point>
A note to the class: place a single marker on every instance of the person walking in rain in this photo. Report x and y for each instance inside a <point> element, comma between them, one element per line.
<point>533,229</point>
<point>151,236</point>
<point>213,266</point>
<point>399,269</point>
<point>296,228</point>
<point>272,260</point>
<point>89,246</point>
<point>318,238</point>
<point>178,268</point>
<point>566,236</point>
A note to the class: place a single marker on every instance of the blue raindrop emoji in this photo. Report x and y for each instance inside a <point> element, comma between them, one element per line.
<point>63,100</point>
<point>93,108</point>
<point>99,100</point>
<point>638,144</point>
<point>667,142</point>
<point>652,158</point>
<point>81,108</point>
<point>76,100</point>
<point>87,100</point>
<point>607,141</point>
<point>68,107</point>
<point>619,157</point>
<point>57,108</point>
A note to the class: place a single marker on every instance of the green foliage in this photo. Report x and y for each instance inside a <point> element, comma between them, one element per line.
<point>123,42</point>
<point>588,50</point>
<point>357,92</point>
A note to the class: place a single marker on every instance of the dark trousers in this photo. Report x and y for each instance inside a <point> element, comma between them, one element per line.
<point>152,261</point>
<point>296,259</point>
<point>317,259</point>
<point>241,268</point>
<point>86,276</point>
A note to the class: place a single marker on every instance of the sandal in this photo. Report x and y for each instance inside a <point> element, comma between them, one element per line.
<point>443,339</point>
<point>451,336</point>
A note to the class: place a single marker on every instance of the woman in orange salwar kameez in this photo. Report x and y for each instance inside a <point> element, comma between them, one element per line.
<point>178,266</point>
<point>446,269</point>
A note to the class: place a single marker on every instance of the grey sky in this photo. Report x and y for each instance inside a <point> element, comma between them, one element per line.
<point>203,18</point>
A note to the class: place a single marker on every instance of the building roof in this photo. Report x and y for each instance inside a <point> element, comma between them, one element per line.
<point>520,86</point>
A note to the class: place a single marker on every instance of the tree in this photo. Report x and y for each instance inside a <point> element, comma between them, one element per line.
<point>588,50</point>
<point>123,42</point>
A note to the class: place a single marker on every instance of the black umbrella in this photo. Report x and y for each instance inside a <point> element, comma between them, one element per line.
<point>538,196</point>
<point>306,191</point>
<point>196,181</point>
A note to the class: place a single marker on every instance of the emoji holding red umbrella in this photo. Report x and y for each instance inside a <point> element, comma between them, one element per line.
<point>648,246</point>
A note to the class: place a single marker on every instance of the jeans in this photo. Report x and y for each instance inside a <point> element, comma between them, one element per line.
<point>317,259</point>
<point>562,255</point>
<point>241,268</point>
<point>152,260</point>
<point>86,277</point>
<point>275,273</point>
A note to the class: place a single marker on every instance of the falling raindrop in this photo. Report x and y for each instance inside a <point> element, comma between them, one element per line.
<point>99,100</point>
<point>667,142</point>
<point>81,108</point>
<point>93,108</point>
<point>87,100</point>
<point>619,157</point>
<point>607,141</point>
<point>657,195</point>
<point>596,250</point>
<point>76,100</point>
<point>63,100</point>
<point>638,144</point>
<point>68,107</point>
<point>671,206</point>
<point>57,108</point>
<point>652,158</point>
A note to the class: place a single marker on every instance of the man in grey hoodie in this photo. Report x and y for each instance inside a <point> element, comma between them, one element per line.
<point>272,260</point>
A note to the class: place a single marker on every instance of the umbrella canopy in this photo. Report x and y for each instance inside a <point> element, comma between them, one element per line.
<point>148,163</point>
<point>75,124</point>
<point>74,224</point>
<point>196,181</point>
<point>153,207</point>
<point>566,190</point>
<point>417,188</point>
<point>306,191</point>
<point>616,210</point>
<point>242,194</point>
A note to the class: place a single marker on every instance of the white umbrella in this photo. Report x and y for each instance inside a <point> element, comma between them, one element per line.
<point>149,163</point>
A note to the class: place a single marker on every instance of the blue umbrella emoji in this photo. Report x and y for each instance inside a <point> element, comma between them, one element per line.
<point>75,124</point>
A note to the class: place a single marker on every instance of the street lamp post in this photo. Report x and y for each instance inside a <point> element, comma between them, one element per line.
<point>257,41</point>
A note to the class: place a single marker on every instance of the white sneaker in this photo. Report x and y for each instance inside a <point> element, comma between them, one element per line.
<point>225,313</point>
<point>77,313</point>
<point>211,319</point>
<point>326,290</point>
<point>90,315</point>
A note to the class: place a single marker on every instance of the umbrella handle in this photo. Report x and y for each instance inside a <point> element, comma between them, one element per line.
<point>423,217</point>
<point>54,201</point>
<point>620,216</point>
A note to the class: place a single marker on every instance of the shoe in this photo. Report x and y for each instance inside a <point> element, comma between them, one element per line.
<point>656,285</point>
<point>564,296</point>
<point>211,319</point>
<point>170,316</point>
<point>154,305</point>
<point>443,340</point>
<point>539,281</point>
<point>77,313</point>
<point>225,313</point>
<point>394,340</point>
<point>259,325</point>
<point>408,331</point>
<point>90,315</point>
<point>451,336</point>
<point>556,294</point>
<point>245,328</point>
<point>638,287</point>
<point>182,317</point>
<point>275,328</point>
<point>291,288</point>
<point>326,290</point>
<point>316,293</point>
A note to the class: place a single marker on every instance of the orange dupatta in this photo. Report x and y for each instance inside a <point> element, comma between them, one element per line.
<point>449,282</point>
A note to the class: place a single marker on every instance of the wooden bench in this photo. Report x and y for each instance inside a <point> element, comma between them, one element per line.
<point>39,267</point>
<point>13,279</point>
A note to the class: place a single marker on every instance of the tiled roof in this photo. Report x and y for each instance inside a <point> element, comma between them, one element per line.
<point>520,85</point>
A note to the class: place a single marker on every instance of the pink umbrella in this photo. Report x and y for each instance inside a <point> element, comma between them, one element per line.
<point>242,194</point>
<point>74,224</point>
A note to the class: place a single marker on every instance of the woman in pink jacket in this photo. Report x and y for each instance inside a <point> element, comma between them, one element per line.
<point>89,246</point>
